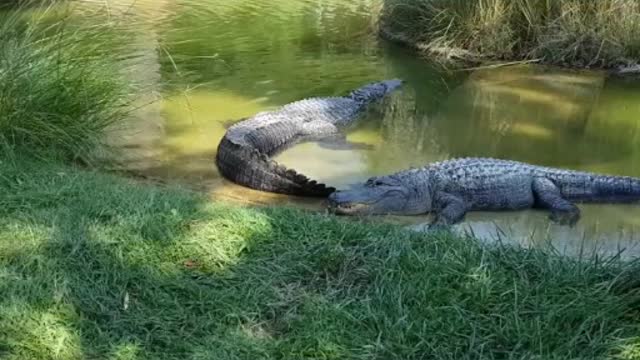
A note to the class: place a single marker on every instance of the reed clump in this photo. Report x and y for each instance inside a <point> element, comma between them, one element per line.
<point>576,33</point>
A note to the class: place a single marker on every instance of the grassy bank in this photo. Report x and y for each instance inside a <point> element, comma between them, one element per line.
<point>60,84</point>
<point>92,266</point>
<point>602,34</point>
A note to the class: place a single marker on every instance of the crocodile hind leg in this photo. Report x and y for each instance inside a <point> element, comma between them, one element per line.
<point>340,142</point>
<point>329,136</point>
<point>450,210</point>
<point>548,196</point>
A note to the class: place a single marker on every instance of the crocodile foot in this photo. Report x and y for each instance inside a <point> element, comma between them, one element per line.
<point>565,218</point>
<point>438,227</point>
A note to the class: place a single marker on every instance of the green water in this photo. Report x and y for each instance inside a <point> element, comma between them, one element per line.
<point>210,62</point>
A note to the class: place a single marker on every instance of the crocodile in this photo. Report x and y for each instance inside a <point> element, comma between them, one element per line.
<point>244,153</point>
<point>449,189</point>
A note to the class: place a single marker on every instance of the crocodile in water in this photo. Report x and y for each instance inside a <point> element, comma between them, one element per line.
<point>450,189</point>
<point>245,150</point>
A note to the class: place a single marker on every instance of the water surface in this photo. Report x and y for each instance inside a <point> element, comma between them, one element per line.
<point>209,63</point>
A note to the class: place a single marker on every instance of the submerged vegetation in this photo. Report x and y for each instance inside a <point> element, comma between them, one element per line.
<point>60,88</point>
<point>577,33</point>
<point>92,266</point>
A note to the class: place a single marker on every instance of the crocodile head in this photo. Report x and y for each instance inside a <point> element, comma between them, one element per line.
<point>376,90</point>
<point>385,195</point>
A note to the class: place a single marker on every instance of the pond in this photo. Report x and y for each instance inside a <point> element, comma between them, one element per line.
<point>208,63</point>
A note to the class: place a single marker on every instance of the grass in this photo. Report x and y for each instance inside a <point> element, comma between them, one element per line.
<point>93,266</point>
<point>577,33</point>
<point>60,85</point>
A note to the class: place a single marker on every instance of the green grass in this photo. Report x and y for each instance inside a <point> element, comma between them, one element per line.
<point>93,266</point>
<point>603,33</point>
<point>61,86</point>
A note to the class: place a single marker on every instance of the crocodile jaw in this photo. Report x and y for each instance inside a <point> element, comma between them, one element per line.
<point>349,208</point>
<point>369,200</point>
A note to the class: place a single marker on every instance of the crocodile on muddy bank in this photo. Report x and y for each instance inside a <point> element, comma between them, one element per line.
<point>450,189</point>
<point>245,150</point>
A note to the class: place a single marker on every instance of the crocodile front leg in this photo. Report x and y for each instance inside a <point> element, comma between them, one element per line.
<point>548,196</point>
<point>450,209</point>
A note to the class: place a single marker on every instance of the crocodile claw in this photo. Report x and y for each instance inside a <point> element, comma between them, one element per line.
<point>565,218</point>
<point>438,227</point>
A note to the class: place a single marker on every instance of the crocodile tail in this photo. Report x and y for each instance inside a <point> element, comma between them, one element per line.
<point>615,188</point>
<point>247,166</point>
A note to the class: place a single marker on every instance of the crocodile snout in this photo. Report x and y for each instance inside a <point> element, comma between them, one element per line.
<point>339,203</point>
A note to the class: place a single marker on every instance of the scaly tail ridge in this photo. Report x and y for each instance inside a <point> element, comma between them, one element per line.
<point>247,166</point>
<point>615,188</point>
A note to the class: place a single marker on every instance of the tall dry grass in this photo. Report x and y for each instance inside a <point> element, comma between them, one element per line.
<point>582,33</point>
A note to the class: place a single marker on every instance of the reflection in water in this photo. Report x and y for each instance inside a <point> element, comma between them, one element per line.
<point>614,234</point>
<point>215,62</point>
<point>141,138</point>
<point>515,113</point>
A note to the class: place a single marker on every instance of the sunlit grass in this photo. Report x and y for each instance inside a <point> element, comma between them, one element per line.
<point>568,32</point>
<point>115,269</point>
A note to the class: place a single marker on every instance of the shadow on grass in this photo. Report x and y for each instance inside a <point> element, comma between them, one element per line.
<point>97,267</point>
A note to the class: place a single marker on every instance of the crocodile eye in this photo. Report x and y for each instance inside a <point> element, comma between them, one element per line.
<point>376,182</point>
